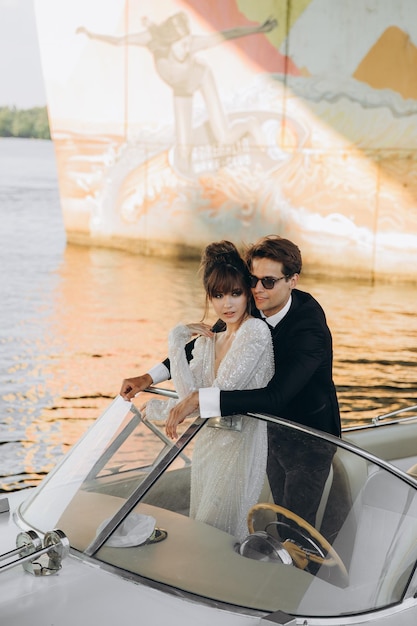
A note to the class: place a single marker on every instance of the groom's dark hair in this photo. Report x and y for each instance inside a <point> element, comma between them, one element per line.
<point>277,249</point>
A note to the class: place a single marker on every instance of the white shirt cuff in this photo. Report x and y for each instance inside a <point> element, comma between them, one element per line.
<point>209,400</point>
<point>159,373</point>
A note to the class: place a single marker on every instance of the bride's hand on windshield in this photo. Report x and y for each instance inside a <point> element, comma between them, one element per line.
<point>142,411</point>
<point>200,329</point>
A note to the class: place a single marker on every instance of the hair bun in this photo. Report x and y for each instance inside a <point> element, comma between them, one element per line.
<point>221,252</point>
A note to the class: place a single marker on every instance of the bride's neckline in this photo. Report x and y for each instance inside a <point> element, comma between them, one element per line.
<point>222,344</point>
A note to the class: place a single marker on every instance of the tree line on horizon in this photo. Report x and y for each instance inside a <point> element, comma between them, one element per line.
<point>24,123</point>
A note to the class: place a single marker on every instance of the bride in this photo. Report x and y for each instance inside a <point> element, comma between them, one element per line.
<point>229,460</point>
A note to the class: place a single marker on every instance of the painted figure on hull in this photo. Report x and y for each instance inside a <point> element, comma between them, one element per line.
<point>175,52</point>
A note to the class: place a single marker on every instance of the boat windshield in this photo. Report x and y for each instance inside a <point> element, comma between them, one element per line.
<point>122,496</point>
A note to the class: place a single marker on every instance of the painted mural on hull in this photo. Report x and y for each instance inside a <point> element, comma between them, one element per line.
<point>176,123</point>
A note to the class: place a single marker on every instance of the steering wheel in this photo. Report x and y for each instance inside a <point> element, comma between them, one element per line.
<point>323,552</point>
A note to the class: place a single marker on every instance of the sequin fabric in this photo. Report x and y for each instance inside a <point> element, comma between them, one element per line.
<point>228,469</point>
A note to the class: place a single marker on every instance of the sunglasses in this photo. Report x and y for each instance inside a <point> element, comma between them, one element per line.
<point>268,282</point>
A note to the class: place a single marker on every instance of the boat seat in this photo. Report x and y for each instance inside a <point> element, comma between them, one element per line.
<point>347,475</point>
<point>412,471</point>
<point>385,542</point>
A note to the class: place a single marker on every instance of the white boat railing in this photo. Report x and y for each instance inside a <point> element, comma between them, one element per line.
<point>379,418</point>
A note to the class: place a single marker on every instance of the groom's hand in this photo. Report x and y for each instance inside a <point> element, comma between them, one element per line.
<point>180,411</point>
<point>132,386</point>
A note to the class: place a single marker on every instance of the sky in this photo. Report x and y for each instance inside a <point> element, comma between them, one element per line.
<point>21,81</point>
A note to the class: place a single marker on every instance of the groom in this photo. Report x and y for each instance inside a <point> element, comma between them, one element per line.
<point>301,390</point>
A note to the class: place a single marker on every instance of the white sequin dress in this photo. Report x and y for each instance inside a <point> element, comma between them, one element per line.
<point>229,466</point>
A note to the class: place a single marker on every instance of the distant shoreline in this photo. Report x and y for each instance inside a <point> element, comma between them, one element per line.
<point>24,123</point>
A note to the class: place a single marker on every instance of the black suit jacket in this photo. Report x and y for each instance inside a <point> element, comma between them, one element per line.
<point>302,388</point>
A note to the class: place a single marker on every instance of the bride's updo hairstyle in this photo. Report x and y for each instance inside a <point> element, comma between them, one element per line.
<point>224,270</point>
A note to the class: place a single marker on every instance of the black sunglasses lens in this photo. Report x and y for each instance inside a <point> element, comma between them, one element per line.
<point>268,282</point>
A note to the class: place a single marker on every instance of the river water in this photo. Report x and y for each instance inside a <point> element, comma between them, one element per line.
<point>75,321</point>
